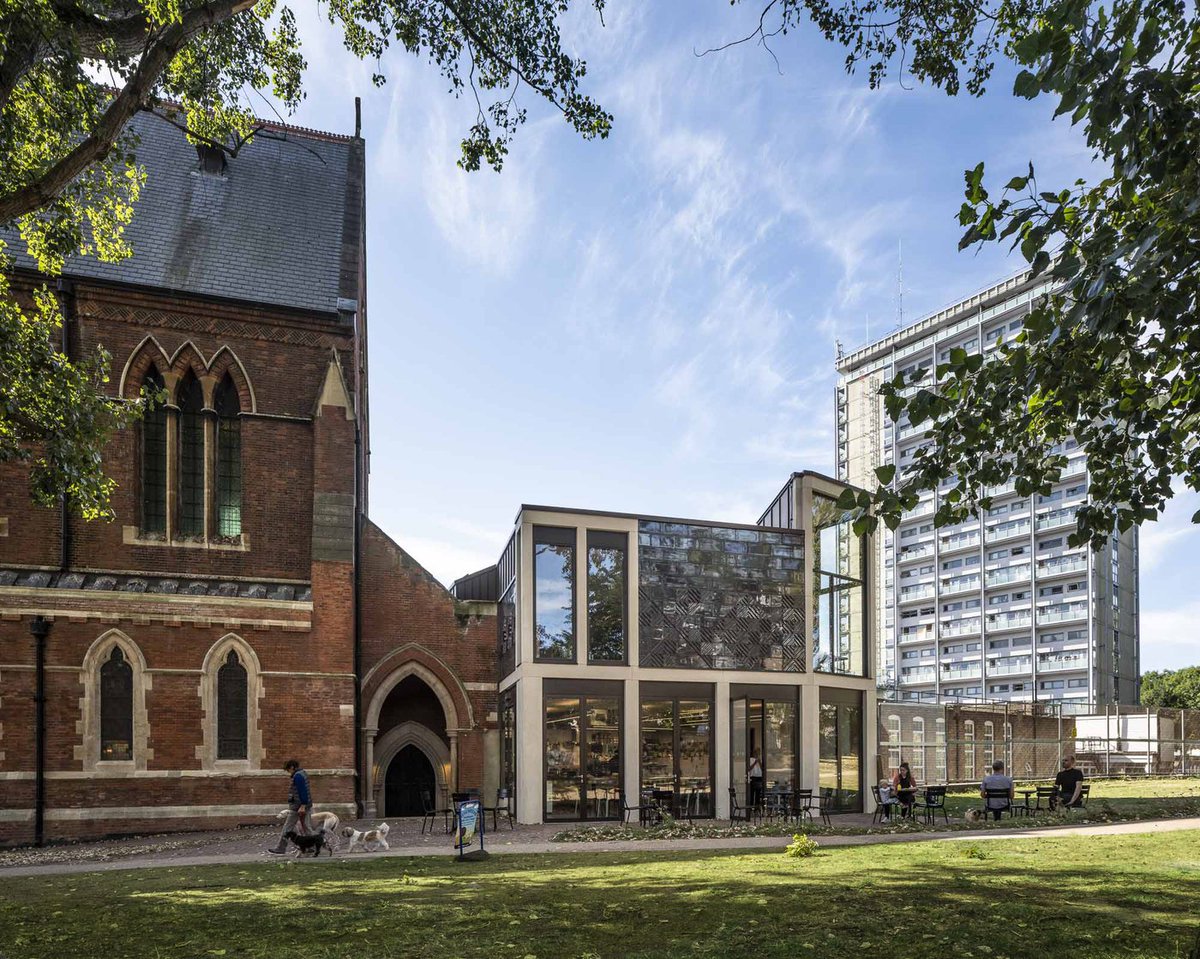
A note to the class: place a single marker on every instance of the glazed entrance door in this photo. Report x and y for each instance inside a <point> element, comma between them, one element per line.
<point>841,751</point>
<point>583,757</point>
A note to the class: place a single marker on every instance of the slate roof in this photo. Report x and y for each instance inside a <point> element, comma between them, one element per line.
<point>184,586</point>
<point>282,225</point>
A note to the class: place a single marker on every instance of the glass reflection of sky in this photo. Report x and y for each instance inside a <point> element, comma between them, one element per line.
<point>554,601</point>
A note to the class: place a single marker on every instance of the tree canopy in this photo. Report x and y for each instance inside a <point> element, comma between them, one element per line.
<point>1174,688</point>
<point>73,73</point>
<point>1108,356</point>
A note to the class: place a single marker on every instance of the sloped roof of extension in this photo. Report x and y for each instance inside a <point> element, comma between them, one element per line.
<point>280,225</point>
<point>162,585</point>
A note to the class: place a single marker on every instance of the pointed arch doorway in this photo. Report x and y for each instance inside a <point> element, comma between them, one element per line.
<point>407,756</point>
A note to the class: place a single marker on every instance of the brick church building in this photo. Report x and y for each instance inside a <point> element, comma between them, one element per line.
<point>241,609</point>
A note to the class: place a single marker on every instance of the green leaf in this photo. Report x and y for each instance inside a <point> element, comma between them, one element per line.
<point>885,474</point>
<point>1027,85</point>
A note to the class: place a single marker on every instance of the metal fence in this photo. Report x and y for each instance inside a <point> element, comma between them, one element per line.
<point>958,742</point>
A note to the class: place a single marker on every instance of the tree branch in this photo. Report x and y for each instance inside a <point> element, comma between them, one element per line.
<point>32,196</point>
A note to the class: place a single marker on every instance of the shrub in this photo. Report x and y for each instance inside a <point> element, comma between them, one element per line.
<point>801,847</point>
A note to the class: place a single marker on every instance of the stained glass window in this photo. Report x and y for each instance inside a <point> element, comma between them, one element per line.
<point>116,708</point>
<point>229,460</point>
<point>231,708</point>
<point>191,457</point>
<point>154,459</point>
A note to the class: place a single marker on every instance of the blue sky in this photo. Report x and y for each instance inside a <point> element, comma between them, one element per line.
<point>649,323</point>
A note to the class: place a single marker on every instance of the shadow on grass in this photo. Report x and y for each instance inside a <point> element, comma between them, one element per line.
<point>1100,898</point>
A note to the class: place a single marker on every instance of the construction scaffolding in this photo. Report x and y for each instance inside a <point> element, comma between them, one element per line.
<point>958,742</point>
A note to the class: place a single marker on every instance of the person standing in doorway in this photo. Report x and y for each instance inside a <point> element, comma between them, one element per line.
<point>754,773</point>
<point>299,806</point>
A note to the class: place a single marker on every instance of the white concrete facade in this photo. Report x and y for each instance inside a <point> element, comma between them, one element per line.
<point>999,607</point>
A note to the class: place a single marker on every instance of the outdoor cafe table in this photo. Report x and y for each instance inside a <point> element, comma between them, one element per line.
<point>1026,793</point>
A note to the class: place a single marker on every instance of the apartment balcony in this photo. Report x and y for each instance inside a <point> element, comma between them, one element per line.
<point>1076,466</point>
<point>909,553</point>
<point>1056,519</point>
<point>1003,668</point>
<point>1013,574</point>
<point>1062,664</point>
<point>969,584</point>
<point>955,673</point>
<point>917,636</point>
<point>925,674</point>
<point>1064,613</point>
<point>962,627</point>
<point>958,542</point>
<point>1061,566</point>
<point>922,509</point>
<point>1006,531</point>
<point>1006,621</point>
<point>910,594</point>
<point>908,432</point>
<point>1004,490</point>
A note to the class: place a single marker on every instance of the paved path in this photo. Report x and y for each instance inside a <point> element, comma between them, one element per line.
<point>499,846</point>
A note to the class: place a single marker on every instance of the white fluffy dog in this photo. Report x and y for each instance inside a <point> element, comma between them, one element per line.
<point>974,815</point>
<point>322,821</point>
<point>372,840</point>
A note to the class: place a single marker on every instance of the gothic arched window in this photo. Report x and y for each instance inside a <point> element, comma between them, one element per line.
<point>116,708</point>
<point>154,459</point>
<point>229,459</point>
<point>231,708</point>
<point>191,457</point>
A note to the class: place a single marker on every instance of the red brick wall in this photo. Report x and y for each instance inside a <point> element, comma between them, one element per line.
<point>303,716</point>
<point>407,615</point>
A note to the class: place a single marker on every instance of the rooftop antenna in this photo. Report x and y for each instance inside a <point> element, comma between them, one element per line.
<point>900,280</point>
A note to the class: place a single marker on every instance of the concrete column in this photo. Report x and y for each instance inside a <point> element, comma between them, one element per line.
<point>810,737</point>
<point>530,786</point>
<point>631,743</point>
<point>722,761</point>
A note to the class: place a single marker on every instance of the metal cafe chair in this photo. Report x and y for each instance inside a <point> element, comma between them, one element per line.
<point>824,806</point>
<point>933,801</point>
<point>1009,806</point>
<point>430,812</point>
<point>802,804</point>
<point>646,812</point>
<point>883,810</point>
<point>1044,793</point>
<point>736,810</point>
<point>503,807</point>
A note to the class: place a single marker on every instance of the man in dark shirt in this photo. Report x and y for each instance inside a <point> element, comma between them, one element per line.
<point>299,806</point>
<point>1068,784</point>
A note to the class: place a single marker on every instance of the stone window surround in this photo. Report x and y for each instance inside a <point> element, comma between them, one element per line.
<point>210,374</point>
<point>206,752</point>
<point>87,727</point>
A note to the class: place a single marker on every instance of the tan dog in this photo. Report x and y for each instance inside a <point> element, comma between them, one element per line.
<point>320,821</point>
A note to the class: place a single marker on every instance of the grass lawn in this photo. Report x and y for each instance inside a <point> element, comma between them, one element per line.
<point>1093,897</point>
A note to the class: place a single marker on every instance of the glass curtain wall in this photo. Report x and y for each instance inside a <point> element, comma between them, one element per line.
<point>583,754</point>
<point>554,594</point>
<point>606,600</point>
<point>841,746</point>
<point>508,744</point>
<point>839,620</point>
<point>676,753</point>
<point>765,726</point>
